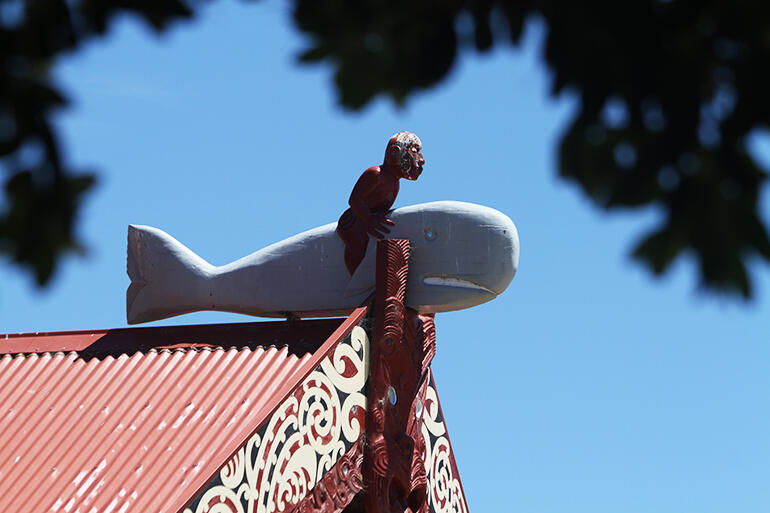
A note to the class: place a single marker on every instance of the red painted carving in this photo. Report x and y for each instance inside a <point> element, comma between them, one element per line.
<point>338,486</point>
<point>374,194</point>
<point>401,350</point>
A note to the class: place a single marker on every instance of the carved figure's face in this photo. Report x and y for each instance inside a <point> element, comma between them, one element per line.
<point>405,151</point>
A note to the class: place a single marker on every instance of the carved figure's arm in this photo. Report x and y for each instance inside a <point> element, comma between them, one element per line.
<point>367,188</point>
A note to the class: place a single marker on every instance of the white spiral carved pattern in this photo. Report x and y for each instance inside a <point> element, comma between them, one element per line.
<point>445,494</point>
<point>305,437</point>
<point>232,473</point>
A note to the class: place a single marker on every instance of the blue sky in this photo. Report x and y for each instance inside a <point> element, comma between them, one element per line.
<point>589,386</point>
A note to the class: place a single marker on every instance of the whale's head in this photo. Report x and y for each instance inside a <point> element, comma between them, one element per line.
<point>462,254</point>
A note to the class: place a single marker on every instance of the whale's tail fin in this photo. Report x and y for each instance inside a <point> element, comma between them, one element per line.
<point>167,279</point>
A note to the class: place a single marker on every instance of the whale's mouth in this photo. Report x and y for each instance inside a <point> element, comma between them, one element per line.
<point>453,281</point>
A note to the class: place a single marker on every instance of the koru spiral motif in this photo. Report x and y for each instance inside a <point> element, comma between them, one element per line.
<point>445,494</point>
<point>308,434</point>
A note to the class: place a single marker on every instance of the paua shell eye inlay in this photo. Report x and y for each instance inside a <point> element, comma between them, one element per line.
<point>392,397</point>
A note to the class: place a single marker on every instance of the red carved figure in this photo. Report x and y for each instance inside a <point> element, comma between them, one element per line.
<point>374,194</point>
<point>403,344</point>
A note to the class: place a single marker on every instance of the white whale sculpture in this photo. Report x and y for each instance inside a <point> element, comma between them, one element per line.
<point>461,255</point>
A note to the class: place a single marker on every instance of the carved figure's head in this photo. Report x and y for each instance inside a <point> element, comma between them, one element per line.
<point>404,152</point>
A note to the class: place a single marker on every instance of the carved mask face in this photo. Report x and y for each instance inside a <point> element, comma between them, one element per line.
<point>409,157</point>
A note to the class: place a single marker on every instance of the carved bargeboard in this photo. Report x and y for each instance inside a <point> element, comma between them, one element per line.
<point>311,438</point>
<point>445,493</point>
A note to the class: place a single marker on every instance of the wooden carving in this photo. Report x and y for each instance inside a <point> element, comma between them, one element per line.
<point>374,194</point>
<point>462,255</point>
<point>403,345</point>
<point>307,454</point>
<point>338,486</point>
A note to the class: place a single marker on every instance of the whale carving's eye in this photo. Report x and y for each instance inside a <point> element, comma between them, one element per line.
<point>430,233</point>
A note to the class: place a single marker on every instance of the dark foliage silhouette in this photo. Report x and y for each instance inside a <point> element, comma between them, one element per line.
<point>669,92</point>
<point>42,195</point>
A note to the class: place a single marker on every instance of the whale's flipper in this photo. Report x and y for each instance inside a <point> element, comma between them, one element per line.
<point>167,278</point>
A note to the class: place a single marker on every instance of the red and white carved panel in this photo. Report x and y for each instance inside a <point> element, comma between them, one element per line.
<point>445,493</point>
<point>305,437</point>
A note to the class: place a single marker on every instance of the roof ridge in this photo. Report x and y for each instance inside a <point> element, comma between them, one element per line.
<point>282,348</point>
<point>299,336</point>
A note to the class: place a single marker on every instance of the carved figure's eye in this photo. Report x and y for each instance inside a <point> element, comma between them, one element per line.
<point>430,234</point>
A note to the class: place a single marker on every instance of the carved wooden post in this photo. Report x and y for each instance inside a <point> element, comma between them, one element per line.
<point>401,351</point>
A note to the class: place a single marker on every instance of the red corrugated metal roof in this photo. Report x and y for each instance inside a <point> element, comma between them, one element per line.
<point>133,433</point>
